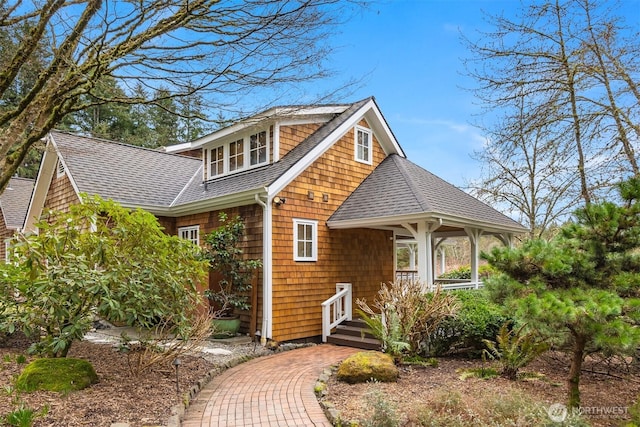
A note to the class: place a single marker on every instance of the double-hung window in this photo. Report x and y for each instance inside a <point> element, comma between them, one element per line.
<point>363,145</point>
<point>305,240</point>
<point>191,233</point>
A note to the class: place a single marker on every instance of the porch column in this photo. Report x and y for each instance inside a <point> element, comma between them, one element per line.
<point>506,239</point>
<point>412,255</point>
<point>439,248</point>
<point>443,261</point>
<point>424,236</point>
<point>474,238</point>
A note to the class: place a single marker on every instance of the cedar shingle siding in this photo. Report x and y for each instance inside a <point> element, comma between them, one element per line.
<point>315,171</point>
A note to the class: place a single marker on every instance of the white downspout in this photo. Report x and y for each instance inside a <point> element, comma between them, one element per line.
<point>267,263</point>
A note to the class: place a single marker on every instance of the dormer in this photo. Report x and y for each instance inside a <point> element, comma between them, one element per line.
<point>260,140</point>
<point>237,153</point>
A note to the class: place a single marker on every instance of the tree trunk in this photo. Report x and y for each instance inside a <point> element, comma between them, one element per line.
<point>573,382</point>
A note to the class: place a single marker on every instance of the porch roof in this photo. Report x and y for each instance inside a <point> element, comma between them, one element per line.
<point>399,191</point>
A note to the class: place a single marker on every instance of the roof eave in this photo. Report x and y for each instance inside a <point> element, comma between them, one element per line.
<point>270,114</point>
<point>229,201</point>
<point>447,220</point>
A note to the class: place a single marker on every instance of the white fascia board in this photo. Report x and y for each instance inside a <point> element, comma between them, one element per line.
<point>43,181</point>
<point>271,114</point>
<point>178,148</point>
<point>382,131</point>
<point>447,220</point>
<point>233,200</point>
<point>320,149</point>
<point>310,110</point>
<point>66,168</point>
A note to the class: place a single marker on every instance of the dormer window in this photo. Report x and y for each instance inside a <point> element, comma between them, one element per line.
<point>363,145</point>
<point>236,155</point>
<point>230,157</point>
<point>258,148</point>
<point>217,161</point>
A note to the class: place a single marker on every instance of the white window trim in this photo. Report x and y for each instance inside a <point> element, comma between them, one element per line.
<point>314,239</point>
<point>184,233</point>
<point>357,129</point>
<point>246,154</point>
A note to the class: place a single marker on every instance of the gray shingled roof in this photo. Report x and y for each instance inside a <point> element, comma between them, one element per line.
<point>124,173</point>
<point>266,175</point>
<point>14,201</point>
<point>398,187</point>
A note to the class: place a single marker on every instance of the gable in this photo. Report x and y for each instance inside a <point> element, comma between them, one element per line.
<point>14,202</point>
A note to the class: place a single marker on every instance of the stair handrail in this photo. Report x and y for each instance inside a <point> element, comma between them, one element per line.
<point>336,309</point>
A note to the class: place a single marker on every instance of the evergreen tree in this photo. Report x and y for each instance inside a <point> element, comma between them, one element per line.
<point>109,121</point>
<point>582,288</point>
<point>163,120</point>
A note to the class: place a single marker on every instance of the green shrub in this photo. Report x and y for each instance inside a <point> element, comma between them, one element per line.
<point>463,273</point>
<point>515,349</point>
<point>56,374</point>
<point>478,319</point>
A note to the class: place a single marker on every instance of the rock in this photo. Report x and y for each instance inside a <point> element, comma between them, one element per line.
<point>366,366</point>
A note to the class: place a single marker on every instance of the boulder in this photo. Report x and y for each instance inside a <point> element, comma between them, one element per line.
<point>368,366</point>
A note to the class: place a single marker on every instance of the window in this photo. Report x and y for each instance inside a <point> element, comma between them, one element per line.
<point>191,233</point>
<point>217,161</point>
<point>363,145</point>
<point>236,155</point>
<point>305,240</point>
<point>258,148</point>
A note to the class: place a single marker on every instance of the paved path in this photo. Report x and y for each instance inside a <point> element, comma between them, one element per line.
<point>273,390</point>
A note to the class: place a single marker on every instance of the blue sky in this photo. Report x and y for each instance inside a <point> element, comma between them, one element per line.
<point>409,52</point>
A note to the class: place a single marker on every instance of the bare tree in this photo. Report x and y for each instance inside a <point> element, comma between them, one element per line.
<point>562,79</point>
<point>225,49</point>
<point>528,172</point>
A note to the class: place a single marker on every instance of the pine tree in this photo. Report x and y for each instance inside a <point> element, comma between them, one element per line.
<point>583,287</point>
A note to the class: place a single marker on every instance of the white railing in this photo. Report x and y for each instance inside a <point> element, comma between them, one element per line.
<point>336,309</point>
<point>452,284</point>
<point>406,275</point>
<point>446,284</point>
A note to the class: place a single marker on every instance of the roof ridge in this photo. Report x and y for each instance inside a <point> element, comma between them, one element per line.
<point>397,160</point>
<point>302,106</point>
<point>123,144</point>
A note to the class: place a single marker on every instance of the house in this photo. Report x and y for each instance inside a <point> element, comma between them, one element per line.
<point>14,202</point>
<point>326,193</point>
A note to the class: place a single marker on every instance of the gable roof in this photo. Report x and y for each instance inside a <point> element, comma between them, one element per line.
<point>399,190</point>
<point>274,176</point>
<point>133,176</point>
<point>14,202</point>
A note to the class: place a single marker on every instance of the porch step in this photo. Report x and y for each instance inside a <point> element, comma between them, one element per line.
<point>354,333</point>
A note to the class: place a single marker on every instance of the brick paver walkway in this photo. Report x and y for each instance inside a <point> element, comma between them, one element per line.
<point>269,391</point>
